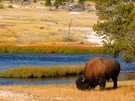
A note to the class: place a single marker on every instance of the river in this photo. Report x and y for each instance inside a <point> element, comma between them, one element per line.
<point>8,61</point>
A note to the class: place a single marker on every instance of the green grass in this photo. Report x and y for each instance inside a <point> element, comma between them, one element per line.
<point>42,72</point>
<point>52,49</point>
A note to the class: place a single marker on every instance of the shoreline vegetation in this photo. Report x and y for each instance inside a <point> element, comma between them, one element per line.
<point>46,71</point>
<point>52,49</point>
<point>42,71</point>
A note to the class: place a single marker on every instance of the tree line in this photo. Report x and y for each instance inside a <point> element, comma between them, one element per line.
<point>116,25</point>
<point>55,3</point>
<point>48,2</point>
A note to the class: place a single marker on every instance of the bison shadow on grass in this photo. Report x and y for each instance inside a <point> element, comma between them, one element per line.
<point>96,72</point>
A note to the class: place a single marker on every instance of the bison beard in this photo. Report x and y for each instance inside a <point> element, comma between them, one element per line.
<point>96,72</point>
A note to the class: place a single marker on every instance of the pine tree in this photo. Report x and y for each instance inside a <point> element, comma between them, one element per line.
<point>117,25</point>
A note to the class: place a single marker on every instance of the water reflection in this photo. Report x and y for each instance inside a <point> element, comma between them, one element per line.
<point>36,81</point>
<point>45,81</point>
<point>8,61</point>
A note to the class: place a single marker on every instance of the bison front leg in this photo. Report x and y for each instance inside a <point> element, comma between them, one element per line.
<point>115,82</point>
<point>102,83</point>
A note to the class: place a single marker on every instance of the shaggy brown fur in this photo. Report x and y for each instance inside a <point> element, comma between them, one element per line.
<point>97,71</point>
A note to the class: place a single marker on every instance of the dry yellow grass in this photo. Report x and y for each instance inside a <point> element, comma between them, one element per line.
<point>39,26</point>
<point>68,92</point>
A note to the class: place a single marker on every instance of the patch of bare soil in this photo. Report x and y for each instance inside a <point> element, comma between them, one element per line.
<point>7,95</point>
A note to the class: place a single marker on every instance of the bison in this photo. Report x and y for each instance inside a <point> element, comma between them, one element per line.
<point>96,72</point>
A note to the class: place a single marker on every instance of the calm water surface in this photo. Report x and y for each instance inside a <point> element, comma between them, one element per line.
<point>8,61</point>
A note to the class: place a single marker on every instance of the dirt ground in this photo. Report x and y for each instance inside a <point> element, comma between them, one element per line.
<point>67,92</point>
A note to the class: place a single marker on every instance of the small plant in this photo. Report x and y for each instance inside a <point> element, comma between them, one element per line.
<point>81,42</point>
<point>1,6</point>
<point>69,35</point>
<point>10,6</point>
<point>35,1</point>
<point>41,27</point>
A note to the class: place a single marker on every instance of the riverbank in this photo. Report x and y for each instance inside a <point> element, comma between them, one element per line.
<point>53,71</point>
<point>65,49</point>
<point>68,92</point>
<point>43,75</point>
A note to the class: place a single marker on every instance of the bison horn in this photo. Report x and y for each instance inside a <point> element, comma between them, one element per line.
<point>83,78</point>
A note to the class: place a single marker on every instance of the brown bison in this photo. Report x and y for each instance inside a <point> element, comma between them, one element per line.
<point>96,72</point>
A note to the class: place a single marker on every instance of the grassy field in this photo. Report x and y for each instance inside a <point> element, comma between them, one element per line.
<point>69,92</point>
<point>33,25</point>
<point>35,29</point>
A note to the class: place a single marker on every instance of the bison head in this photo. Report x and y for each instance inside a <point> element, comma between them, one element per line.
<point>84,84</point>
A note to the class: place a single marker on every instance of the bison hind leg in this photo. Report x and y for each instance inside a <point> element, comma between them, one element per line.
<point>102,83</point>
